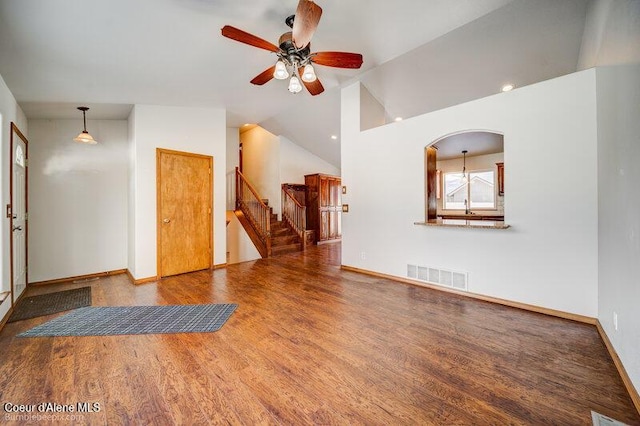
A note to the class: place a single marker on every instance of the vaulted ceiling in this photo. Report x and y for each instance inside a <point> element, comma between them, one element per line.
<point>419,56</point>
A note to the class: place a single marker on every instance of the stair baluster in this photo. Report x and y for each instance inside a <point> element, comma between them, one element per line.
<point>255,210</point>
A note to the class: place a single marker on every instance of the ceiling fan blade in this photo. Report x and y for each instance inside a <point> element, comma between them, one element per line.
<point>305,23</point>
<point>264,76</point>
<point>314,87</point>
<point>337,59</point>
<point>246,38</point>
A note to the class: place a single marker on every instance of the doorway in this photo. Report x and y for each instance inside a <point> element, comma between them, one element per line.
<point>184,206</point>
<point>464,176</point>
<point>17,213</point>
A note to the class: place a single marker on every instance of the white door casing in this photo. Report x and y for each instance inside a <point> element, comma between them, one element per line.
<point>19,215</point>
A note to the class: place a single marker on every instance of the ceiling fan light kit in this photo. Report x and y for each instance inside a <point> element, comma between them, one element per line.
<point>294,51</point>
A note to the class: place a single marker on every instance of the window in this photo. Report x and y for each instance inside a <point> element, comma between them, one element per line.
<point>479,192</point>
<point>19,156</point>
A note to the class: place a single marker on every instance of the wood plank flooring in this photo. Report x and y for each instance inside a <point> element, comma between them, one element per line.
<point>313,344</point>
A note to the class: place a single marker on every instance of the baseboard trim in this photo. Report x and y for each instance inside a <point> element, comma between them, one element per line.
<point>220,266</point>
<point>141,280</point>
<point>505,302</point>
<point>79,277</point>
<point>633,392</point>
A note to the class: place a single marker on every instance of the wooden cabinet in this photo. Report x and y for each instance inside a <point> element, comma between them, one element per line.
<point>500,178</point>
<point>324,206</point>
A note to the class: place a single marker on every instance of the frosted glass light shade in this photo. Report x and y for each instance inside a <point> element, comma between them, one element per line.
<point>294,85</point>
<point>85,137</point>
<point>309,74</point>
<point>280,72</point>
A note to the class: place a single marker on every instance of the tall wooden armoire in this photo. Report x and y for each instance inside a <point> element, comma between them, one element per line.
<point>324,206</point>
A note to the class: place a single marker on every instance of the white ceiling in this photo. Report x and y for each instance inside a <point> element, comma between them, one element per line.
<point>475,143</point>
<point>419,55</point>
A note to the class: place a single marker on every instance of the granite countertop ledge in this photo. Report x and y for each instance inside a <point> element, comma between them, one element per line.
<point>463,223</point>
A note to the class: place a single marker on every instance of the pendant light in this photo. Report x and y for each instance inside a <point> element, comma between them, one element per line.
<point>464,165</point>
<point>84,136</point>
<point>281,73</point>
<point>309,74</point>
<point>294,84</point>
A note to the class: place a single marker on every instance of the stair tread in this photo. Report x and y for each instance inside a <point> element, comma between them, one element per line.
<point>283,231</point>
<point>285,240</point>
<point>289,248</point>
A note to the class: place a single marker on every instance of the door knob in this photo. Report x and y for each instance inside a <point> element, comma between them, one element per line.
<point>17,228</point>
<point>167,220</point>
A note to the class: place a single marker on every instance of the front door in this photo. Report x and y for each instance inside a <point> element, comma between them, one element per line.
<point>18,222</point>
<point>185,193</point>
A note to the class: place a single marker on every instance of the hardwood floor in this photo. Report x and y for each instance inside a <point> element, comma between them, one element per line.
<point>313,344</point>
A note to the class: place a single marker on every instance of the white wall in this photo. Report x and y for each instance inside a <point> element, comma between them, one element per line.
<point>131,193</point>
<point>196,130</point>
<point>611,34</point>
<point>240,248</point>
<point>549,256</point>
<point>372,113</point>
<point>295,162</point>
<point>268,161</point>
<point>233,160</point>
<point>261,164</point>
<point>618,91</point>
<point>77,199</point>
<point>9,112</point>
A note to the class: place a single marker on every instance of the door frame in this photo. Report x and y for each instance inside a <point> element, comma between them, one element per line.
<point>15,130</point>
<point>159,152</point>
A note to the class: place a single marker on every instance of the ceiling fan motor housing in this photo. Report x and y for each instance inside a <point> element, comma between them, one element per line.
<point>290,53</point>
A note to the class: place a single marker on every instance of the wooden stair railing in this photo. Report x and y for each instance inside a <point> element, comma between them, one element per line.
<point>294,213</point>
<point>255,211</point>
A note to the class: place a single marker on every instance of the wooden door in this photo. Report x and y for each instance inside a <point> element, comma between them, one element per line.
<point>336,203</point>
<point>330,208</point>
<point>185,201</point>
<point>18,222</point>
<point>325,209</point>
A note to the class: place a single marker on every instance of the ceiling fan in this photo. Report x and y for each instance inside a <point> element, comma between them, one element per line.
<point>294,51</point>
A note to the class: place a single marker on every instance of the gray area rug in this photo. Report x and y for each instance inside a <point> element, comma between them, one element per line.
<point>51,303</point>
<point>116,320</point>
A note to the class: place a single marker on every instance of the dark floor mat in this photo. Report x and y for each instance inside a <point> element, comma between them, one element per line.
<point>115,320</point>
<point>51,303</point>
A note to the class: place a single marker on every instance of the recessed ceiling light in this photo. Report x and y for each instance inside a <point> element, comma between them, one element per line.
<point>507,87</point>
<point>334,137</point>
<point>398,119</point>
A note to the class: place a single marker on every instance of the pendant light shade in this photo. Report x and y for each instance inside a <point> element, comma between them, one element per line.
<point>309,74</point>
<point>281,72</point>
<point>294,85</point>
<point>84,136</point>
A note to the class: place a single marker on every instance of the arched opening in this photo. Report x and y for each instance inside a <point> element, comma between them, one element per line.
<point>464,176</point>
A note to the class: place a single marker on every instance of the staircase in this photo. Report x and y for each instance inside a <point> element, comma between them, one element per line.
<point>283,238</point>
<point>270,236</point>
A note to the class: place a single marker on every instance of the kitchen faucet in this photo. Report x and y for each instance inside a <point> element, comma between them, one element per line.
<point>467,210</point>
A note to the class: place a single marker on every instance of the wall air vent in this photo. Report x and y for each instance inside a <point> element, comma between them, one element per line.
<point>443,277</point>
